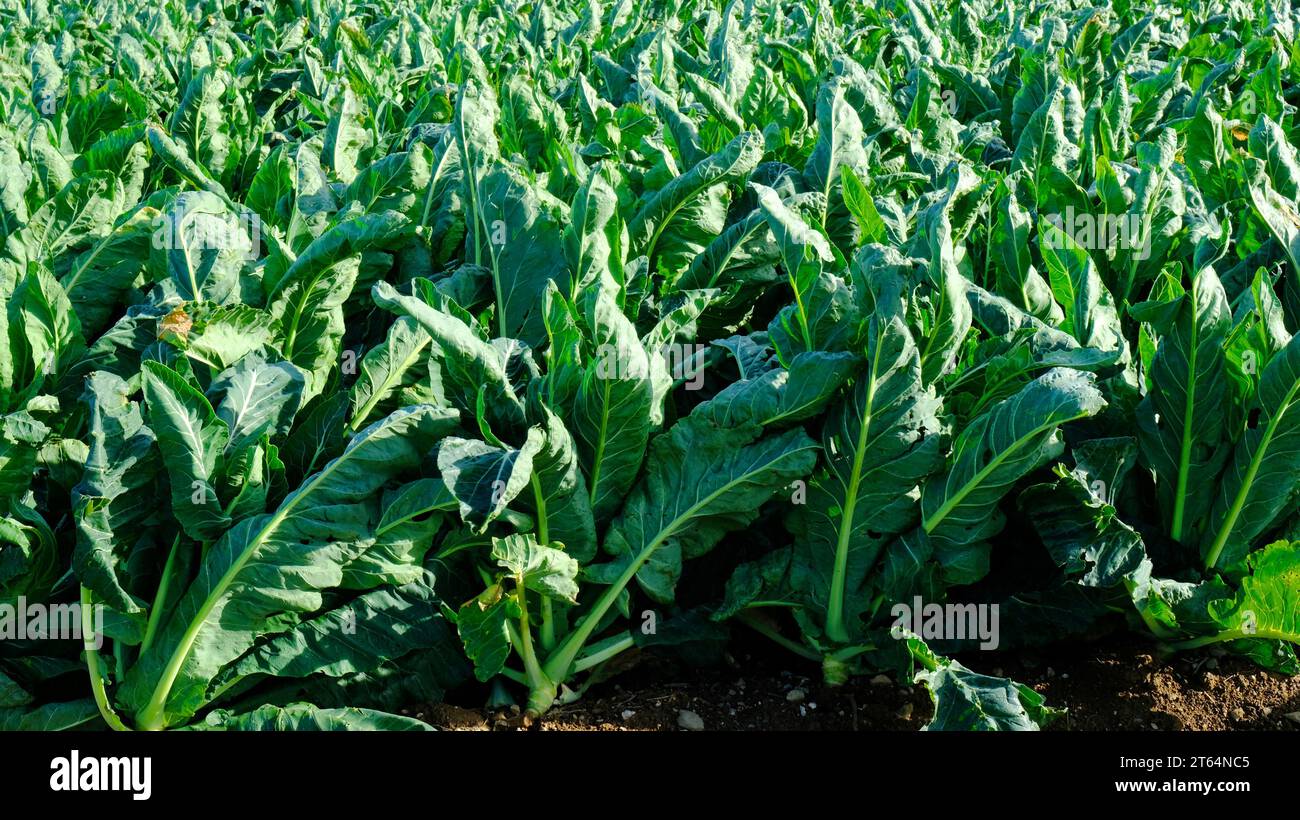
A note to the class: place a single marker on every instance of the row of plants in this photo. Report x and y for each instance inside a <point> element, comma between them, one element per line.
<point>355,350</point>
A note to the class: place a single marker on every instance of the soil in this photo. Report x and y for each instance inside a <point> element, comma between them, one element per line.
<point>1118,684</point>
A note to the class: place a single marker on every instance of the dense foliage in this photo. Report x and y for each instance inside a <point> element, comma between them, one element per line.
<point>350,350</point>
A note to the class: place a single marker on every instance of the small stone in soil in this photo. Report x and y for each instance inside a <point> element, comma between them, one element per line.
<point>1212,663</point>
<point>905,711</point>
<point>690,721</point>
<point>627,713</point>
<point>795,695</point>
<point>1294,717</point>
<point>881,680</point>
<point>1238,714</point>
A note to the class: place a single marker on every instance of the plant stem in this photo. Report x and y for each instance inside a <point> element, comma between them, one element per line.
<point>541,687</point>
<point>92,665</point>
<point>605,653</point>
<point>835,627</point>
<point>546,635</point>
<point>560,663</point>
<point>767,631</point>
<point>160,598</point>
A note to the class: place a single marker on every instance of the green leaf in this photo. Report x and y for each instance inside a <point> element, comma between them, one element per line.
<point>357,636</point>
<point>700,482</point>
<point>484,479</point>
<point>669,204</point>
<point>308,300</point>
<point>484,629</point>
<point>967,701</point>
<point>881,441</point>
<point>468,363</point>
<point>1268,604</point>
<point>258,398</point>
<point>614,409</point>
<point>386,367</point>
<point>1180,421</point>
<point>559,499</point>
<point>303,717</point>
<point>49,717</point>
<point>1264,469</point>
<point>1015,437</point>
<point>542,569</point>
<point>192,440</point>
<point>271,568</point>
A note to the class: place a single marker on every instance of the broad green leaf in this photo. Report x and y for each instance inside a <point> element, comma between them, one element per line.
<point>193,440</point>
<point>700,482</point>
<point>1180,421</point>
<point>1018,435</point>
<point>546,570</point>
<point>484,479</point>
<point>1263,471</point>
<point>880,441</point>
<point>303,717</point>
<point>271,567</point>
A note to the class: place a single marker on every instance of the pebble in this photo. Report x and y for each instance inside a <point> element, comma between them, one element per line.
<point>1294,717</point>
<point>905,712</point>
<point>997,671</point>
<point>1212,663</point>
<point>690,721</point>
<point>795,695</point>
<point>1218,651</point>
<point>627,713</point>
<point>812,705</point>
<point>1266,710</point>
<point>1238,713</point>
<point>880,680</point>
<point>1051,673</point>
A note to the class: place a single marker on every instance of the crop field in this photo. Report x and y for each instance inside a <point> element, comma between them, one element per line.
<point>361,361</point>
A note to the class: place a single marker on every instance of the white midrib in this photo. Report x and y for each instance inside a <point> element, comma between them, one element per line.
<point>574,643</point>
<point>1247,484</point>
<point>159,698</point>
<point>969,487</point>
